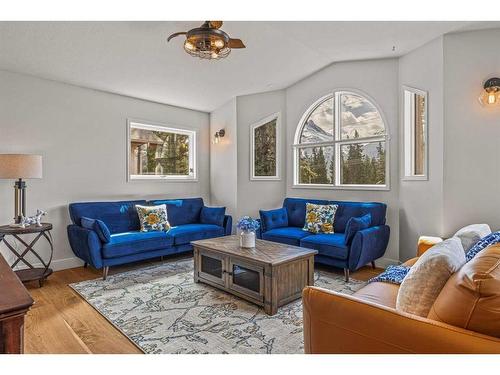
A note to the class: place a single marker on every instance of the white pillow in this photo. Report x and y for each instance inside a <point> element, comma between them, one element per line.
<point>471,234</point>
<point>428,275</point>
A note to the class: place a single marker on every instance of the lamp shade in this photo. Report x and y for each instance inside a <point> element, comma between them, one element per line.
<point>14,166</point>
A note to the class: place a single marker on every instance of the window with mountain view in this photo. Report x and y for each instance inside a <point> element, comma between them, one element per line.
<point>157,152</point>
<point>341,142</point>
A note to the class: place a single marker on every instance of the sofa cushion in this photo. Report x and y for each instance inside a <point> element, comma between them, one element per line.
<point>320,217</point>
<point>128,243</point>
<point>384,294</point>
<point>119,217</point>
<point>97,226</point>
<point>471,234</point>
<point>153,218</point>
<point>287,235</point>
<point>213,215</point>
<point>273,219</point>
<point>296,210</point>
<point>428,275</point>
<point>331,245</point>
<point>182,211</point>
<point>184,234</point>
<point>471,297</point>
<point>356,224</point>
<point>348,210</point>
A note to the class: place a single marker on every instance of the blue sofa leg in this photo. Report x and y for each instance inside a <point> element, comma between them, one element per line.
<point>373,264</point>
<point>85,265</point>
<point>105,271</point>
<point>346,274</point>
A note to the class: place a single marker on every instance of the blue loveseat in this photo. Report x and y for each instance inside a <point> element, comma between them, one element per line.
<point>360,237</point>
<point>119,240</point>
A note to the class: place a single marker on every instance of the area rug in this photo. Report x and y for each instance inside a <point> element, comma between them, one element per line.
<point>161,310</point>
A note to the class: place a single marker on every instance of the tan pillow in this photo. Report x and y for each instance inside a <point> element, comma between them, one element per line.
<point>428,275</point>
<point>471,297</point>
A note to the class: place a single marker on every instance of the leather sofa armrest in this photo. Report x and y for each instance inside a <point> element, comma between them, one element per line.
<point>86,245</point>
<point>339,323</point>
<point>426,242</point>
<point>228,225</point>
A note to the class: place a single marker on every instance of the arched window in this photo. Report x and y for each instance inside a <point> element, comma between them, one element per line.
<point>341,141</point>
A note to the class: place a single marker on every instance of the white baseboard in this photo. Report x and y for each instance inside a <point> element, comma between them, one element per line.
<point>60,264</point>
<point>384,262</point>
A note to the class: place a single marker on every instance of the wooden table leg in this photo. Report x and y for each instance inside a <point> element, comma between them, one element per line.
<point>12,335</point>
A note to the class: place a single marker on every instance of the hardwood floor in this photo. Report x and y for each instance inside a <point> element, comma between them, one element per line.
<point>60,321</point>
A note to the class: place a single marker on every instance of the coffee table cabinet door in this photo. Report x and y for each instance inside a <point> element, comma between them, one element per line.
<point>212,267</point>
<point>247,279</point>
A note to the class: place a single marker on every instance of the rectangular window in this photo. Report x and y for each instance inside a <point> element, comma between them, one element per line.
<point>265,149</point>
<point>159,152</point>
<point>415,134</point>
<point>363,163</point>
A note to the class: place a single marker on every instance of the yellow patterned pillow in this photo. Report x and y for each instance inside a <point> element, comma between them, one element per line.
<point>320,218</point>
<point>153,218</point>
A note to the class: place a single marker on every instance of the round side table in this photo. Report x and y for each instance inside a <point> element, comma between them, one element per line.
<point>32,273</point>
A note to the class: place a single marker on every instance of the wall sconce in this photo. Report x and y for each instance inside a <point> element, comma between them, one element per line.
<point>218,135</point>
<point>491,92</point>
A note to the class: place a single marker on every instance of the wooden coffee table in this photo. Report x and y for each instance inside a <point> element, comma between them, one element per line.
<point>270,275</point>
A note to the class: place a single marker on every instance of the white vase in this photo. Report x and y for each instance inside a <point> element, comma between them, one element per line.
<point>247,239</point>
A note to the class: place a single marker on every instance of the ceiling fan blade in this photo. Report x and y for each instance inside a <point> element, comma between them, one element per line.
<point>236,43</point>
<point>215,24</point>
<point>176,34</point>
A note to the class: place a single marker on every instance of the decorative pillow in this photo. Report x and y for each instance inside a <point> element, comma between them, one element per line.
<point>428,275</point>
<point>490,239</point>
<point>153,218</point>
<point>320,217</point>
<point>97,226</point>
<point>471,234</point>
<point>392,274</point>
<point>213,215</point>
<point>272,219</point>
<point>356,224</point>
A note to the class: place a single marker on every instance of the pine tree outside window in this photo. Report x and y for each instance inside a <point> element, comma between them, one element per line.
<point>160,152</point>
<point>341,142</point>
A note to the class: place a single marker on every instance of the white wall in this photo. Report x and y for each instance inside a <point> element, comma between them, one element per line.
<point>255,195</point>
<point>379,80</point>
<point>81,134</point>
<point>472,132</point>
<point>421,202</point>
<point>224,158</point>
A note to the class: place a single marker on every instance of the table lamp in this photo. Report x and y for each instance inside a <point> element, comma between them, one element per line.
<point>18,167</point>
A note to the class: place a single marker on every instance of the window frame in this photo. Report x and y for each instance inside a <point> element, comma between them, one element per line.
<point>409,141</point>
<point>337,143</point>
<point>277,177</point>
<point>152,125</point>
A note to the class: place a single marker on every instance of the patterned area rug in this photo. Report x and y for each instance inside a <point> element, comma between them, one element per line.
<point>162,310</point>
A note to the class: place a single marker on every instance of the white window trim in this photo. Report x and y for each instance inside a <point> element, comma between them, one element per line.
<point>408,139</point>
<point>152,125</point>
<point>337,142</point>
<point>277,177</point>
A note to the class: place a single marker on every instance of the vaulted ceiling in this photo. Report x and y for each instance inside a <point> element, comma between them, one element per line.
<point>134,59</point>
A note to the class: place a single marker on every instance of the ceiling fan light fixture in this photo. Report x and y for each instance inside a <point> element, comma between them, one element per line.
<point>208,41</point>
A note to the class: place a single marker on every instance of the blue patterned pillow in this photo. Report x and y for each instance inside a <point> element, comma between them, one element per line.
<point>393,275</point>
<point>483,243</point>
<point>153,218</point>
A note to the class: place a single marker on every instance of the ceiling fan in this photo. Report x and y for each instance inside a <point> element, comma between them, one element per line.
<point>208,41</point>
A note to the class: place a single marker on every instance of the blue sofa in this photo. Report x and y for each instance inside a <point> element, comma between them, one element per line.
<point>360,237</point>
<point>119,240</point>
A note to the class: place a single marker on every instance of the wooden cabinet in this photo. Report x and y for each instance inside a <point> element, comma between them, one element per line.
<point>15,302</point>
<point>270,275</point>
<point>230,273</point>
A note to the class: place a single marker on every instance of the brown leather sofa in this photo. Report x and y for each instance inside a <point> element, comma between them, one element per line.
<point>465,318</point>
